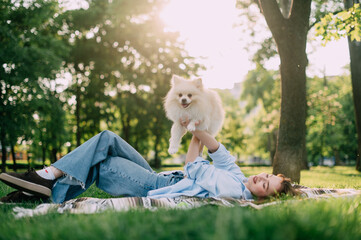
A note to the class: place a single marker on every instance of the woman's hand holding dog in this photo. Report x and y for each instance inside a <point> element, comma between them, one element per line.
<point>190,125</point>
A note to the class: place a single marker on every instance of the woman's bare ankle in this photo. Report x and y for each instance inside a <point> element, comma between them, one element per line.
<point>57,173</point>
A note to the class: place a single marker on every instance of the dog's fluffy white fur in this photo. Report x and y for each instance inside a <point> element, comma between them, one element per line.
<point>188,99</point>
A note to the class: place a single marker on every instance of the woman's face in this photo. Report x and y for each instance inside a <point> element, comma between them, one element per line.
<point>264,184</point>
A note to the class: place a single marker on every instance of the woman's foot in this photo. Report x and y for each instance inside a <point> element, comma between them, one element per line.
<point>29,182</point>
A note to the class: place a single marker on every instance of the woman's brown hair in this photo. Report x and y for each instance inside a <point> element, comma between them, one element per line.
<point>286,186</point>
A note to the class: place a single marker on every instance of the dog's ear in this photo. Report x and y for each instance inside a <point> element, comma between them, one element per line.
<point>198,83</point>
<point>175,79</point>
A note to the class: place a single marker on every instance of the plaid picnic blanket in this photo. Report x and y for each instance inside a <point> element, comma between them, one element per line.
<point>87,205</point>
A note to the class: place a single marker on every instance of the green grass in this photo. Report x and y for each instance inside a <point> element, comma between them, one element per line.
<point>310,219</point>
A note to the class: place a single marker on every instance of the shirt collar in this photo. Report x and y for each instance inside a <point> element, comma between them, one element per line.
<point>246,193</point>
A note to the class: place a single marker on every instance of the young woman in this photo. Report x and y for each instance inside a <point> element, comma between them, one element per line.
<point>120,170</point>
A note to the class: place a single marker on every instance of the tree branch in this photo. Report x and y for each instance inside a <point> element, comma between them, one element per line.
<point>272,14</point>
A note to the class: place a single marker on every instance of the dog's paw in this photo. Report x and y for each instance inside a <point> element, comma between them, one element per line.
<point>191,127</point>
<point>172,150</point>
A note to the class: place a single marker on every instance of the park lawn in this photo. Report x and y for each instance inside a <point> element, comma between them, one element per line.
<point>308,219</point>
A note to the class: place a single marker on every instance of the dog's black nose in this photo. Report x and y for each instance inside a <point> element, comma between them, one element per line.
<point>184,100</point>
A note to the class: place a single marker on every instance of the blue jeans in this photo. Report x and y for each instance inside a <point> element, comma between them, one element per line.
<point>115,166</point>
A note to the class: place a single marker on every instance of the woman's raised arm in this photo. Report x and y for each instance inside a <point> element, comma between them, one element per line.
<point>199,139</point>
<point>208,140</point>
<point>193,150</point>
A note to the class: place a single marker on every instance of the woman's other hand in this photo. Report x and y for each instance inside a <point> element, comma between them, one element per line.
<point>185,121</point>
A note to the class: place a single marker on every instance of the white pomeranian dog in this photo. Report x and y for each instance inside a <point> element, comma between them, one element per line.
<point>189,100</point>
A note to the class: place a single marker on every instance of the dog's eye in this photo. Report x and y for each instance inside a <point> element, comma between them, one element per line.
<point>189,95</point>
<point>180,95</point>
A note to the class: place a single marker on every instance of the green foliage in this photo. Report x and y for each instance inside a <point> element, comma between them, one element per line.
<point>330,123</point>
<point>30,52</point>
<point>120,60</point>
<point>232,135</point>
<point>261,93</point>
<point>320,8</point>
<point>49,133</point>
<point>261,85</point>
<point>344,23</point>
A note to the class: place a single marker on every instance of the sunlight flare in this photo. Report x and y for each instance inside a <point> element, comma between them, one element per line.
<point>207,27</point>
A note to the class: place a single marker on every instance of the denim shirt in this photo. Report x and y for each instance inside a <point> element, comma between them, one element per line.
<point>222,179</point>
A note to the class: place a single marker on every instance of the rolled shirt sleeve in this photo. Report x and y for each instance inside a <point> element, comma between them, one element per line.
<point>222,159</point>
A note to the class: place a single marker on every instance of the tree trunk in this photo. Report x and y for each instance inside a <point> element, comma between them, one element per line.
<point>355,56</point>
<point>54,158</point>
<point>126,128</point>
<point>29,159</point>
<point>304,162</point>
<point>3,151</point>
<point>272,142</point>
<point>321,160</point>
<point>2,128</point>
<point>291,145</point>
<point>43,148</point>
<point>337,157</point>
<point>291,37</point>
<point>157,162</point>
<point>14,156</point>
<point>77,116</point>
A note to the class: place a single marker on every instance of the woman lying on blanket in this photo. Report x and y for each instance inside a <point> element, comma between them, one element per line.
<point>120,170</point>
